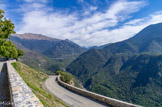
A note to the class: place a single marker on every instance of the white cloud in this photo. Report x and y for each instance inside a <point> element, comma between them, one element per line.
<point>42,1</point>
<point>93,8</point>
<point>80,1</point>
<point>92,30</point>
<point>135,22</point>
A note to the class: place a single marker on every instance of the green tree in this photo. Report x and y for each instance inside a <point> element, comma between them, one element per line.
<point>58,72</point>
<point>66,77</point>
<point>20,52</point>
<point>7,48</point>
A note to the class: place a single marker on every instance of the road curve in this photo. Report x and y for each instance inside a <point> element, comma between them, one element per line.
<point>69,97</point>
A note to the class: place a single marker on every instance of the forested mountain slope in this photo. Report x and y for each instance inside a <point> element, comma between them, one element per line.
<point>45,53</point>
<point>130,70</point>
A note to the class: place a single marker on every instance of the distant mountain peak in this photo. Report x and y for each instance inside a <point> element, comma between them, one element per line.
<point>34,36</point>
<point>50,47</point>
<point>150,31</point>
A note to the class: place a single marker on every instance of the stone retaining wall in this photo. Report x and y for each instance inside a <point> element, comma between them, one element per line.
<point>21,94</point>
<point>103,99</point>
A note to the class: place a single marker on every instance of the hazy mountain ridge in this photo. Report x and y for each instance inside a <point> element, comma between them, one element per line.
<point>43,52</point>
<point>46,45</point>
<point>126,70</point>
<point>37,45</point>
<point>64,48</point>
<point>34,36</point>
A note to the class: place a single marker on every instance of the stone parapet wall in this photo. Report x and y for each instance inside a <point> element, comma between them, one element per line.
<point>21,94</point>
<point>100,98</point>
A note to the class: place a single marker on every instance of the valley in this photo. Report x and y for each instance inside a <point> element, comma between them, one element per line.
<point>129,70</point>
<point>81,53</point>
<point>45,53</point>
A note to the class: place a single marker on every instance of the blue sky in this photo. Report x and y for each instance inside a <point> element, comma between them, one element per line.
<point>85,22</point>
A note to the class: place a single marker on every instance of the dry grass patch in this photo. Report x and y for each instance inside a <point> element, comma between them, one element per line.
<point>35,79</point>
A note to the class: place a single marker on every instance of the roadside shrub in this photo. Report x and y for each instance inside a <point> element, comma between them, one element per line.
<point>66,77</point>
<point>58,72</point>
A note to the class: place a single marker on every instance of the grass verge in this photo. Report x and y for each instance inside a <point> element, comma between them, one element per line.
<point>35,79</point>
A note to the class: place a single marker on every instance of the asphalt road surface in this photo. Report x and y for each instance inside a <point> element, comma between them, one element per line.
<point>69,97</point>
<point>4,88</point>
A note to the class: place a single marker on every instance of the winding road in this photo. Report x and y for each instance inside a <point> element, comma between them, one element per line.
<point>69,97</point>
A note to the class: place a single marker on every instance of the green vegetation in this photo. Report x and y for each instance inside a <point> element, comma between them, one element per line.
<point>65,76</point>
<point>77,83</point>
<point>130,70</point>
<point>139,81</point>
<point>41,62</point>
<point>7,48</point>
<point>35,79</point>
<point>58,72</point>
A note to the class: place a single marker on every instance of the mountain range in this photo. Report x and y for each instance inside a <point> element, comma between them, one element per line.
<point>130,70</point>
<point>45,53</point>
